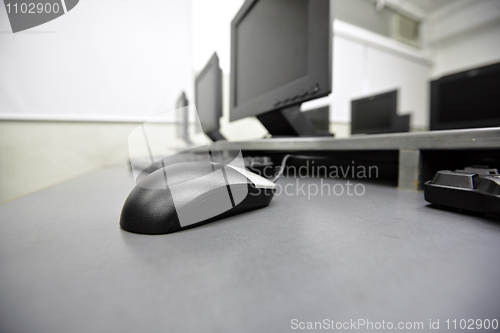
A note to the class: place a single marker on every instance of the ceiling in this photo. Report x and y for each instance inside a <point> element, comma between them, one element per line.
<point>428,5</point>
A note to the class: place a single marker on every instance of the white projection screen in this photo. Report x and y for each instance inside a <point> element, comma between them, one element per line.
<point>103,60</point>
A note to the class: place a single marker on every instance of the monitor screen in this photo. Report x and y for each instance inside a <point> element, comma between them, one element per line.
<point>472,99</point>
<point>271,48</point>
<point>281,55</point>
<point>208,89</point>
<point>374,114</point>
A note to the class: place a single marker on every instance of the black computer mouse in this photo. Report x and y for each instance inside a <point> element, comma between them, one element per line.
<point>189,194</point>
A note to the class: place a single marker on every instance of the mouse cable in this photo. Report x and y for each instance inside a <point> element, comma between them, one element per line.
<point>299,157</point>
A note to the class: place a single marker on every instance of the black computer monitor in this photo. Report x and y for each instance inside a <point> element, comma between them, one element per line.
<point>182,118</point>
<point>378,114</point>
<point>208,97</point>
<point>468,99</point>
<point>281,56</point>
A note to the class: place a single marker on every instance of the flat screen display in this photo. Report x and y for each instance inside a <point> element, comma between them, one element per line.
<point>271,50</point>
<point>470,99</point>
<point>374,113</point>
<point>207,101</point>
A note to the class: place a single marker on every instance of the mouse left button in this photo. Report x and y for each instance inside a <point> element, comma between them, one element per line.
<point>148,211</point>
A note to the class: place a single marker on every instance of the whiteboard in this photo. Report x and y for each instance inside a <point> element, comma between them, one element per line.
<point>103,60</point>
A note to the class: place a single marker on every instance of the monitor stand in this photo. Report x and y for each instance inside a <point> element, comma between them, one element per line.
<point>215,136</point>
<point>185,135</point>
<point>291,122</point>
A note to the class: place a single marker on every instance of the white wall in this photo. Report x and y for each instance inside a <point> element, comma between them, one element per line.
<point>464,35</point>
<point>211,23</point>
<point>102,61</point>
<point>481,47</point>
<point>113,59</point>
<point>38,154</point>
<point>365,63</point>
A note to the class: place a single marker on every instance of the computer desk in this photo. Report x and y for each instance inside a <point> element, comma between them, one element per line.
<point>66,266</point>
<point>418,155</point>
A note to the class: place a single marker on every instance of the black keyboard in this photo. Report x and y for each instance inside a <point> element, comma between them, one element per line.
<point>473,188</point>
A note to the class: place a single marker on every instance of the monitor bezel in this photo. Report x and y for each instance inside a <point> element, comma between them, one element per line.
<point>391,95</point>
<point>319,72</point>
<point>435,87</point>
<point>212,64</point>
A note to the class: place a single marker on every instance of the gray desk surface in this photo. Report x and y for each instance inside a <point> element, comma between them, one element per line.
<point>66,266</point>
